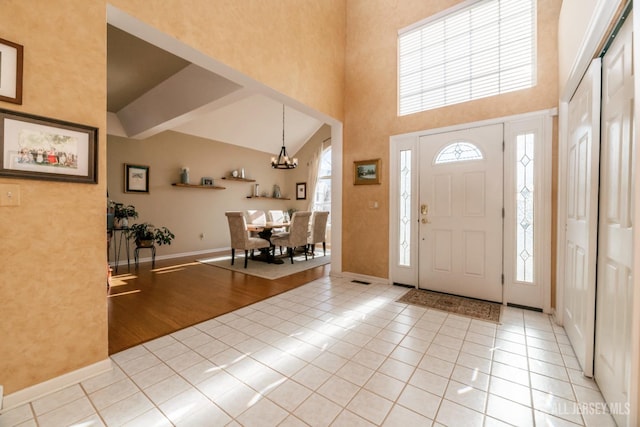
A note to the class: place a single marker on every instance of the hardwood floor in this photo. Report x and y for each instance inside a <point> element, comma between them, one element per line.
<point>181,292</point>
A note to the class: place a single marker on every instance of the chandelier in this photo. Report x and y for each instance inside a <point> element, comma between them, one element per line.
<point>283,161</point>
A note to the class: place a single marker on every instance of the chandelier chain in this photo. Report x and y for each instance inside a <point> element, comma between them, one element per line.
<point>282,161</point>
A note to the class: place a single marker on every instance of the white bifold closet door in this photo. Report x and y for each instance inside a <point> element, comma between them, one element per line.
<point>615,230</point>
<point>581,219</point>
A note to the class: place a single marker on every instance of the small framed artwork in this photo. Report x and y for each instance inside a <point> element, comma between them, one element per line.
<point>136,179</point>
<point>207,181</point>
<point>366,172</point>
<point>301,191</point>
<point>41,148</point>
<point>10,72</point>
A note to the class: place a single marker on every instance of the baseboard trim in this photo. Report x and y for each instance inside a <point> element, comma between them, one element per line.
<point>171,256</point>
<point>554,316</point>
<point>33,392</point>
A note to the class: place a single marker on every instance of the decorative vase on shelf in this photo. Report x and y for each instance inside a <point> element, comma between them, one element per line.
<point>276,191</point>
<point>184,176</point>
<point>242,173</point>
<point>256,190</point>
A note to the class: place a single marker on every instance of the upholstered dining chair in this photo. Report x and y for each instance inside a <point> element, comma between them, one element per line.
<point>255,217</point>
<point>318,232</point>
<point>296,236</point>
<point>276,217</point>
<point>240,238</point>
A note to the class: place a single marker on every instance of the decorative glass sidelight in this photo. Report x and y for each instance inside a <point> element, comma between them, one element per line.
<point>525,207</point>
<point>458,152</point>
<point>405,209</point>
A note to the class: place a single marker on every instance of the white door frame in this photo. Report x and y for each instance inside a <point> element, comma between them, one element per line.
<point>408,274</point>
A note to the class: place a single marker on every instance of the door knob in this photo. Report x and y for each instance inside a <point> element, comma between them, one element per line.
<point>424,210</point>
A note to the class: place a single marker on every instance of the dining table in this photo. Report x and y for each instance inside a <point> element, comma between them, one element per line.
<point>265,231</point>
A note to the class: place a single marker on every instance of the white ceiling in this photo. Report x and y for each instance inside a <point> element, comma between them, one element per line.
<point>150,91</point>
<point>254,121</point>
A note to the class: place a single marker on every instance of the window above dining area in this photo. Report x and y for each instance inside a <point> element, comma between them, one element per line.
<point>322,194</point>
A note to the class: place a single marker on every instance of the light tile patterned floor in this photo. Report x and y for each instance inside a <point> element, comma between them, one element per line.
<point>333,352</point>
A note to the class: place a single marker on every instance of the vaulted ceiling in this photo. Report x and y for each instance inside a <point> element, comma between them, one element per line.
<point>150,90</point>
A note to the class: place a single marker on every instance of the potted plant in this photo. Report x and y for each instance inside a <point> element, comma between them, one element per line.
<point>122,214</point>
<point>146,235</point>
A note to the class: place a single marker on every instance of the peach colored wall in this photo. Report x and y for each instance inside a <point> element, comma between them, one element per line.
<point>52,247</point>
<point>371,112</point>
<point>293,46</point>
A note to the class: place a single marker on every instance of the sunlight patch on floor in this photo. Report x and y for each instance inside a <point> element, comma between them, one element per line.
<point>122,279</point>
<point>124,293</point>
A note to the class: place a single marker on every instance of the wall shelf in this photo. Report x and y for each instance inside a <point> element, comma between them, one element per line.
<point>208,187</point>
<point>266,197</point>
<point>233,178</point>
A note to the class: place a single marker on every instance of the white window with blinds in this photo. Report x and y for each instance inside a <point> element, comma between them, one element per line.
<point>486,48</point>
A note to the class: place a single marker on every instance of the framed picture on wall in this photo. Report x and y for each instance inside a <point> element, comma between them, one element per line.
<point>301,191</point>
<point>366,172</point>
<point>41,148</point>
<point>136,179</point>
<point>10,72</point>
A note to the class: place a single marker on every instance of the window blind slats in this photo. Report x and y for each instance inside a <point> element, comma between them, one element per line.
<point>484,50</point>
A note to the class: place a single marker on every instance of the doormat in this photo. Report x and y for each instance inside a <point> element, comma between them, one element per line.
<point>477,309</point>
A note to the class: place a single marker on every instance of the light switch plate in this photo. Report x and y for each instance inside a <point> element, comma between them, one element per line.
<point>9,195</point>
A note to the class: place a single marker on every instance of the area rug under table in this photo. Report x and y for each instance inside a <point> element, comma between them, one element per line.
<point>477,309</point>
<point>265,270</point>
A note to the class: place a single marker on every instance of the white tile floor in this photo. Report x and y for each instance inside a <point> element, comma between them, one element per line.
<point>336,353</point>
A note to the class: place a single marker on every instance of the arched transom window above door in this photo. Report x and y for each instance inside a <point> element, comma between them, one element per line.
<point>459,151</point>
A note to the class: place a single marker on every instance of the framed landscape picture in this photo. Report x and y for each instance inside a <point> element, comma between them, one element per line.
<point>366,172</point>
<point>41,148</point>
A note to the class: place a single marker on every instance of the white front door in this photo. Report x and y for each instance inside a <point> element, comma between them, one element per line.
<point>581,218</point>
<point>460,237</point>
<point>615,231</point>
